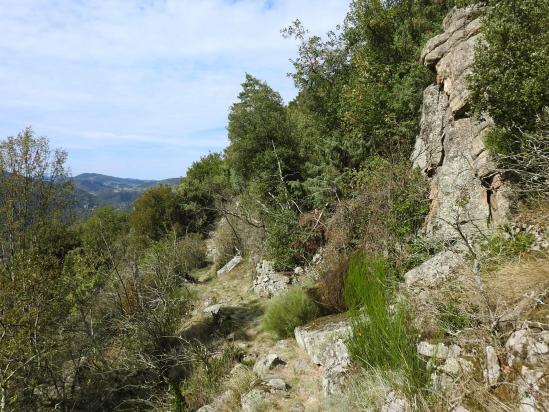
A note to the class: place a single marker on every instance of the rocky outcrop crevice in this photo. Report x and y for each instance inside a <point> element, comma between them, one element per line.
<point>467,193</point>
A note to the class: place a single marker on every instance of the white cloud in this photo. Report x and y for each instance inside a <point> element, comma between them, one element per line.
<point>98,74</point>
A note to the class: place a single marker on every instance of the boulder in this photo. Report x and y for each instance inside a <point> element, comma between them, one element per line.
<point>435,270</point>
<point>532,386</point>
<point>394,402</point>
<point>230,265</point>
<point>277,384</point>
<point>268,282</point>
<point>438,351</point>
<point>527,344</point>
<point>253,400</point>
<point>456,367</point>
<point>219,403</point>
<point>266,363</point>
<point>324,341</point>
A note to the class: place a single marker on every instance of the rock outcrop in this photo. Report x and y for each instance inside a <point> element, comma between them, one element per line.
<point>466,191</point>
<point>268,282</point>
<point>324,341</point>
<point>265,364</point>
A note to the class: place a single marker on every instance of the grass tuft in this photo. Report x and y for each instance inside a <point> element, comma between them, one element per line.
<point>382,336</point>
<point>289,310</point>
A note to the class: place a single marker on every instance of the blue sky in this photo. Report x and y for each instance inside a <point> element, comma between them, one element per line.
<point>141,88</point>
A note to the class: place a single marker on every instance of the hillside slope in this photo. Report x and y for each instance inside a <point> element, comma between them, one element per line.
<point>98,190</point>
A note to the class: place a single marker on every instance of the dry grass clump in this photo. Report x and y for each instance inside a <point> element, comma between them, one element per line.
<point>329,291</point>
<point>451,308</point>
<point>366,391</point>
<point>239,382</point>
<point>515,280</point>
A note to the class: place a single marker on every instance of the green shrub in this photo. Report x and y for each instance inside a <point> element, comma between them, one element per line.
<point>289,310</point>
<point>284,239</point>
<point>176,258</point>
<point>511,67</point>
<point>382,336</point>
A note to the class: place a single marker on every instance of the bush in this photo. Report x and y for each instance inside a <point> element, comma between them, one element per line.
<point>524,157</point>
<point>382,336</point>
<point>205,185</point>
<point>177,258</point>
<point>238,232</point>
<point>289,310</point>
<point>208,374</point>
<point>157,212</point>
<point>388,207</point>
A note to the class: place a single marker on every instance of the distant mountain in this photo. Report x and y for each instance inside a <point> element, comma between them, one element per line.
<point>95,190</point>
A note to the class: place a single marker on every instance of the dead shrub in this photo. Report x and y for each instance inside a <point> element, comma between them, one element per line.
<point>329,291</point>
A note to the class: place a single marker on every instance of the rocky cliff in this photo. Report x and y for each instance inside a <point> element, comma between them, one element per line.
<point>467,193</point>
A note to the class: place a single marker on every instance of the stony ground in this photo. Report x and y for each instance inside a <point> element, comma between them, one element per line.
<point>239,318</point>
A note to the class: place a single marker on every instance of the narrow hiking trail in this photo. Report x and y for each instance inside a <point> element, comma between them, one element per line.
<point>234,312</point>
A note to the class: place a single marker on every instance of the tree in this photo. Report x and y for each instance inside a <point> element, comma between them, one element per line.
<point>262,147</point>
<point>102,229</point>
<point>205,186</point>
<point>35,200</point>
<point>511,70</point>
<point>34,189</point>
<point>157,212</point>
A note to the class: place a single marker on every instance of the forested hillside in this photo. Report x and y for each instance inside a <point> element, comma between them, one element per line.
<point>95,190</point>
<point>377,243</point>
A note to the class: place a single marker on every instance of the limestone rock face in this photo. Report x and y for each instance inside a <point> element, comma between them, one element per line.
<point>466,191</point>
<point>324,341</point>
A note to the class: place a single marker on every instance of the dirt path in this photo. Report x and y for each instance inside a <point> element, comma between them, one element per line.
<point>241,323</point>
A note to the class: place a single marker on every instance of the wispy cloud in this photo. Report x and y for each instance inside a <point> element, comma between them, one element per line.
<point>155,76</point>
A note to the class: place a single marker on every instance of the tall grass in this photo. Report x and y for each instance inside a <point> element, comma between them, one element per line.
<point>289,310</point>
<point>382,334</point>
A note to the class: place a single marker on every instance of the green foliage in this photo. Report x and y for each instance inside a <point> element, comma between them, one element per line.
<point>511,65</point>
<point>361,280</point>
<point>205,186</point>
<point>283,245</point>
<point>102,230</point>
<point>382,336</point>
<point>262,146</point>
<point>157,212</point>
<point>34,189</point>
<point>287,311</point>
<point>380,103</point>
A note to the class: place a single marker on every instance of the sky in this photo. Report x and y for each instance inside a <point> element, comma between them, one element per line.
<point>142,88</point>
